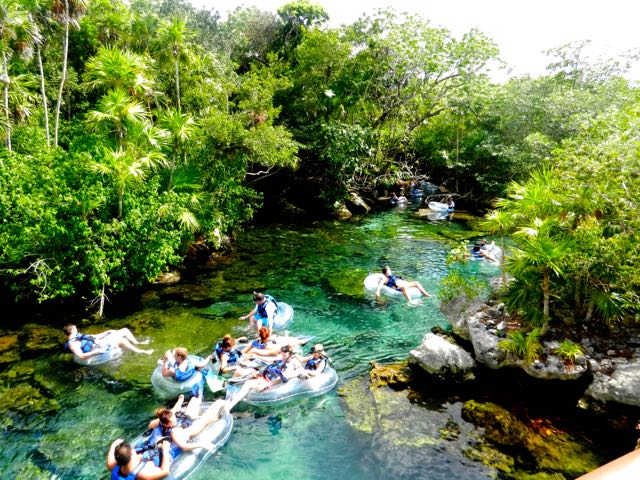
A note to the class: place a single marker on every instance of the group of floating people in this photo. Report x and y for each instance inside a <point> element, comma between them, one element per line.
<point>266,370</point>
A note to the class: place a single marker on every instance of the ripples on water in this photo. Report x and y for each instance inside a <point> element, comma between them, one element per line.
<point>304,440</point>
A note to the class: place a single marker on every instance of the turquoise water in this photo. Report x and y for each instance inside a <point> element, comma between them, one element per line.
<point>317,268</point>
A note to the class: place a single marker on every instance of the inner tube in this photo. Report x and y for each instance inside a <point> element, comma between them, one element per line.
<point>185,464</point>
<point>373,279</point>
<point>438,206</point>
<point>112,352</point>
<point>168,387</point>
<point>295,388</point>
<point>283,317</point>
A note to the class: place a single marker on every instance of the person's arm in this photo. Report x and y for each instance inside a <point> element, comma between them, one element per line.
<point>166,370</point>
<point>99,336</point>
<point>380,285</point>
<point>164,470</point>
<point>111,457</point>
<point>244,317</point>
<point>75,349</point>
<point>272,311</point>
<point>318,370</point>
<point>223,364</point>
<point>203,363</point>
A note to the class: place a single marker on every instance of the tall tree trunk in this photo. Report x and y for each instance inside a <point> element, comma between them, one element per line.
<point>503,272</point>
<point>44,98</point>
<point>65,52</point>
<point>5,71</point>
<point>178,81</point>
<point>546,294</point>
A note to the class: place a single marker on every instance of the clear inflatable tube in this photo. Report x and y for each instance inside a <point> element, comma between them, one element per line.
<point>294,389</point>
<point>284,317</point>
<point>373,279</point>
<point>112,352</point>
<point>185,464</point>
<point>168,387</point>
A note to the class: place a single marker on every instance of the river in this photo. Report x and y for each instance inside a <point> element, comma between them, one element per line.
<point>317,268</point>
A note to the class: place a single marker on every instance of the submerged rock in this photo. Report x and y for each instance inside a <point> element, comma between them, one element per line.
<point>552,450</point>
<point>9,349</point>
<point>348,282</point>
<point>443,359</point>
<point>38,339</point>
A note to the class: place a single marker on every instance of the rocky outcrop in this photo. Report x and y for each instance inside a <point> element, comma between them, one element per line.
<point>484,326</point>
<point>356,204</point>
<point>443,359</point>
<point>615,380</point>
<point>341,211</point>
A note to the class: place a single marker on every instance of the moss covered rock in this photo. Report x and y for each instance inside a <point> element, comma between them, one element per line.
<point>348,282</point>
<point>37,339</point>
<point>552,450</point>
<point>396,375</point>
<point>9,351</point>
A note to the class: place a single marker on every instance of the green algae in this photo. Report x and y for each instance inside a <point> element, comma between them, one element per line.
<point>553,451</point>
<point>348,282</point>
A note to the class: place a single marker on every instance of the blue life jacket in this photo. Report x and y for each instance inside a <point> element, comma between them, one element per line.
<point>274,371</point>
<point>259,344</point>
<point>233,355</point>
<point>392,281</point>
<point>116,475</point>
<point>87,342</point>
<point>262,309</point>
<point>313,363</point>
<point>183,376</point>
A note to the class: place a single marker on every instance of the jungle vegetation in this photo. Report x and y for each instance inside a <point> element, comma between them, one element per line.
<point>136,132</point>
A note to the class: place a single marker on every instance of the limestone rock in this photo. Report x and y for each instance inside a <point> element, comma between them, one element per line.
<point>356,204</point>
<point>622,385</point>
<point>443,359</point>
<point>341,211</point>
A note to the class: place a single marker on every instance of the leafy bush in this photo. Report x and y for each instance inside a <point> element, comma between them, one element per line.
<point>455,285</point>
<point>569,351</point>
<point>527,348</point>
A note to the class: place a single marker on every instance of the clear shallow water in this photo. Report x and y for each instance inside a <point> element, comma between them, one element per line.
<point>318,269</point>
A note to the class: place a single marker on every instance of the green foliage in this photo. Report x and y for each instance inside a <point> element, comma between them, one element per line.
<point>569,351</point>
<point>455,285</point>
<point>526,347</point>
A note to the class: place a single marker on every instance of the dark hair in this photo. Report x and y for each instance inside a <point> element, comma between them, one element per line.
<point>227,341</point>
<point>122,453</point>
<point>264,334</point>
<point>164,415</point>
<point>385,269</point>
<point>285,349</point>
<point>258,297</point>
<point>68,328</point>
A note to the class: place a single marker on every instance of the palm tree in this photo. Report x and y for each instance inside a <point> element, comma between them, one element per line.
<point>10,17</point>
<point>112,68</point>
<point>180,127</point>
<point>172,42</point>
<point>40,16</point>
<point>541,248</point>
<point>123,169</point>
<point>67,12</point>
<point>117,112</point>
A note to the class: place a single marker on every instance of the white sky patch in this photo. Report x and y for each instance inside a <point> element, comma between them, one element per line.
<point>523,30</point>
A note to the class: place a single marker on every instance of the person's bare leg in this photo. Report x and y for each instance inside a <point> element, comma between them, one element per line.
<point>126,333</point>
<point>405,292</point>
<point>419,286</point>
<point>127,345</point>
<point>209,416</point>
<point>193,407</point>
